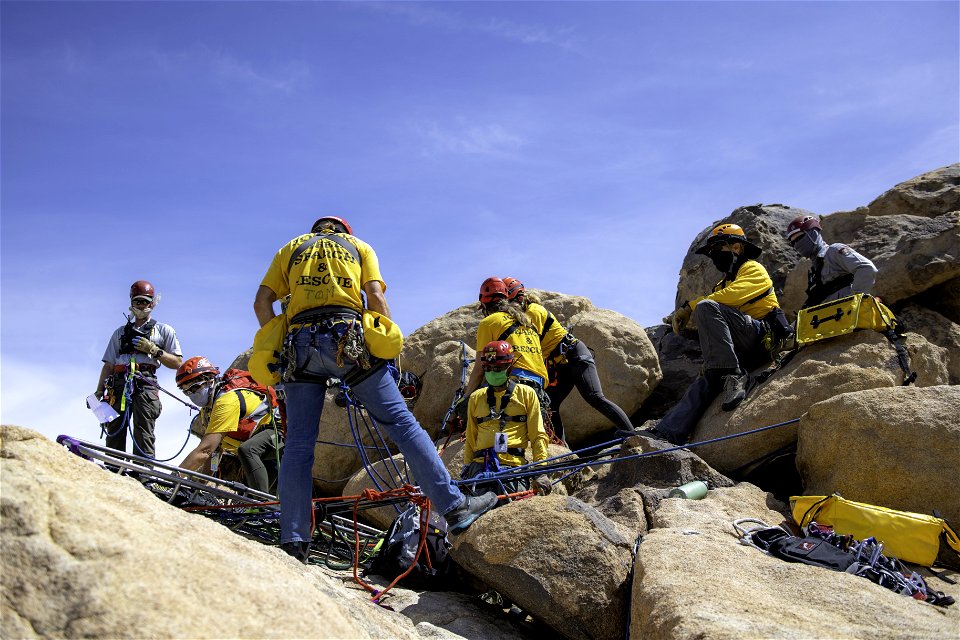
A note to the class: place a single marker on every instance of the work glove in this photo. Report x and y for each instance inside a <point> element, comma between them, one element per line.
<point>680,318</point>
<point>145,345</point>
<point>542,485</point>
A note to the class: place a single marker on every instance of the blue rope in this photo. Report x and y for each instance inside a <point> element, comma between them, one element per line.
<point>538,468</point>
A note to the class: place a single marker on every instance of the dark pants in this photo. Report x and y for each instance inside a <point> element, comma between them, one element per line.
<point>256,454</point>
<point>580,371</point>
<point>729,341</point>
<point>144,409</point>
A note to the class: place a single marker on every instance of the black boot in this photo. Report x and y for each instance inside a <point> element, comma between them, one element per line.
<point>298,549</point>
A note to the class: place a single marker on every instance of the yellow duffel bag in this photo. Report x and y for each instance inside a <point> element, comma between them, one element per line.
<point>838,317</point>
<point>911,537</point>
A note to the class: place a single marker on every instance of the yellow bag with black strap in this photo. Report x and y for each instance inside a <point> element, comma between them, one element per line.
<point>845,315</point>
<point>383,337</point>
<point>264,364</point>
<point>911,537</point>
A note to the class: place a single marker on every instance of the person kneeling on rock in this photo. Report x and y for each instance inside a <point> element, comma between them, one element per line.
<point>502,420</point>
<point>237,421</point>
<point>730,328</point>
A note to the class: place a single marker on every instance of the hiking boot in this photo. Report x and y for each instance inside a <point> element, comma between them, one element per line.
<point>298,549</point>
<point>472,508</point>
<point>734,391</point>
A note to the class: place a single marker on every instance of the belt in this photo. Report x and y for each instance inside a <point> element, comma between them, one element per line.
<point>514,451</point>
<point>318,315</point>
<point>141,368</point>
<point>526,377</point>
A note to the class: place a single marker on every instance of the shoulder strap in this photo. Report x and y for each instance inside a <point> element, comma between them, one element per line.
<point>243,403</point>
<point>760,297</point>
<point>346,244</point>
<point>509,331</point>
<point>546,325</point>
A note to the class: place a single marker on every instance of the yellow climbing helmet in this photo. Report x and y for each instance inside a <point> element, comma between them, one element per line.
<point>729,232</point>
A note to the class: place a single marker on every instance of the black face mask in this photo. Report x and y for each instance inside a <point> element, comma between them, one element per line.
<point>723,260</point>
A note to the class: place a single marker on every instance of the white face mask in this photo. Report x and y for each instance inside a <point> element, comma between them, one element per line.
<point>140,313</point>
<point>201,396</point>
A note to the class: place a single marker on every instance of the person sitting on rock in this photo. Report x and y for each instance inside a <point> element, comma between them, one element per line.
<point>502,420</point>
<point>569,362</point>
<point>239,420</point>
<point>506,321</point>
<point>731,333</point>
<point>837,270</point>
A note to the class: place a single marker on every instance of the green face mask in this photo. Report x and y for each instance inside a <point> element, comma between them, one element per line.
<point>495,378</point>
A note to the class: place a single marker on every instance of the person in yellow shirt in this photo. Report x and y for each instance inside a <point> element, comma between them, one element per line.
<point>238,421</point>
<point>729,322</point>
<point>503,320</point>
<point>503,419</point>
<point>569,362</point>
<point>331,276</point>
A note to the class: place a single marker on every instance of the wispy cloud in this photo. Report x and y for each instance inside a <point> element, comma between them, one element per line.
<point>223,66</point>
<point>429,16</point>
<point>464,137</point>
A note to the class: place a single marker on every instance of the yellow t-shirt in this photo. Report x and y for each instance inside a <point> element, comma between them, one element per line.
<point>525,341</point>
<point>324,275</point>
<point>555,332</point>
<point>224,416</point>
<point>520,435</point>
<point>751,280</point>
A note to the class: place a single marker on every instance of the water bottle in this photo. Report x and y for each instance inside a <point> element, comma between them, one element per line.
<point>691,491</point>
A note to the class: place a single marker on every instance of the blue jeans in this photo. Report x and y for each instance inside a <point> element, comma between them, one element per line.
<point>316,357</point>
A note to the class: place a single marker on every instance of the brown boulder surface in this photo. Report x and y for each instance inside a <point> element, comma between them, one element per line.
<point>556,558</point>
<point>693,580</point>
<point>905,442</point>
<point>930,194</point>
<point>853,362</point>
<point>938,330</point>
<point>90,554</point>
<point>626,361</point>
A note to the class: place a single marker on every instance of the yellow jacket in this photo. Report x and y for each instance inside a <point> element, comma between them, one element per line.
<point>742,292</point>
<point>481,427</point>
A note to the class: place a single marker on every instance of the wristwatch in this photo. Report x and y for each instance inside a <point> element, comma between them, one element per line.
<point>158,354</point>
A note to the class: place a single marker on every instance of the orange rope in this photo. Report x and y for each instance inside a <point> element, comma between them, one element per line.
<point>372,495</point>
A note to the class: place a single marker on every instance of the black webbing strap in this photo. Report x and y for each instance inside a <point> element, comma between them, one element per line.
<point>343,242</point>
<point>509,331</point>
<point>760,297</point>
<point>546,325</point>
<point>243,404</point>
<point>504,401</point>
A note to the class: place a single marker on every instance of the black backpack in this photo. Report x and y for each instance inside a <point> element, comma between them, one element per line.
<point>400,548</point>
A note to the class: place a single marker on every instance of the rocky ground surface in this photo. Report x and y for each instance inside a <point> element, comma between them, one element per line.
<point>87,553</point>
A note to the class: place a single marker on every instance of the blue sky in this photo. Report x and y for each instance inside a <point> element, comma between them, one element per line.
<point>577,146</point>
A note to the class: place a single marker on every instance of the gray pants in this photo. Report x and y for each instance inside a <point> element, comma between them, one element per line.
<point>144,409</point>
<point>258,453</point>
<point>729,340</point>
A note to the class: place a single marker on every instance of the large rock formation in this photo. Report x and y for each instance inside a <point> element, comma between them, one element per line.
<point>930,194</point>
<point>558,559</point>
<point>938,330</point>
<point>692,580</point>
<point>626,361</point>
<point>90,554</point>
<point>897,447</point>
<point>764,226</point>
<point>853,362</point>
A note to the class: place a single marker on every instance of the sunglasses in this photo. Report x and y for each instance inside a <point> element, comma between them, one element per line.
<point>142,302</point>
<point>193,388</point>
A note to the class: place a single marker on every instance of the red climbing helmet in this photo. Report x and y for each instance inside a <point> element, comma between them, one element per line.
<point>491,289</point>
<point>496,354</point>
<point>338,221</point>
<point>193,369</point>
<point>800,224</point>
<point>141,289</point>
<point>514,288</point>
